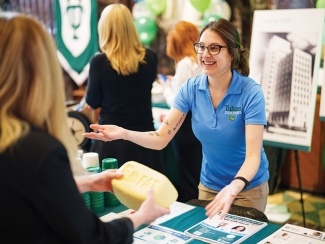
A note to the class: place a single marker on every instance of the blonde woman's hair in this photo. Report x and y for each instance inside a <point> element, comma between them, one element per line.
<point>119,40</point>
<point>180,39</point>
<point>31,84</point>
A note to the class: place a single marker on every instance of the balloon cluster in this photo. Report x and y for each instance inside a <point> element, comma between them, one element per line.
<point>212,10</point>
<point>144,13</point>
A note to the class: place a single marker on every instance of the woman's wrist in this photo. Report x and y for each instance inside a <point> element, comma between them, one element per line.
<point>83,183</point>
<point>137,220</point>
<point>238,185</point>
<point>243,179</point>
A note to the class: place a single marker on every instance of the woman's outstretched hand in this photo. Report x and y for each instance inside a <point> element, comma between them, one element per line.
<point>224,199</point>
<point>106,132</point>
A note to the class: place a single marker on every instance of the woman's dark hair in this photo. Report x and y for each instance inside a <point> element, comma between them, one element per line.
<point>242,227</point>
<point>228,32</point>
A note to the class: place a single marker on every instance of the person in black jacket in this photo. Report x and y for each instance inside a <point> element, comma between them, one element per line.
<point>40,196</point>
<point>119,83</point>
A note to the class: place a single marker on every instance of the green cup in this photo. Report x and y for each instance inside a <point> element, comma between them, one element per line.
<point>109,163</point>
<point>109,198</point>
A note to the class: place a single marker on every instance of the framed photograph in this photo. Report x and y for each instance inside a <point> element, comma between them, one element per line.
<point>285,56</point>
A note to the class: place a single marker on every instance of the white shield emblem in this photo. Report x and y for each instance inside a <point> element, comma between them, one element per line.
<point>75,27</point>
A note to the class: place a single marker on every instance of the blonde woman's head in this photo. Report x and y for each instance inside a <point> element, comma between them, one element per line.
<point>119,40</point>
<point>31,82</point>
<point>31,77</point>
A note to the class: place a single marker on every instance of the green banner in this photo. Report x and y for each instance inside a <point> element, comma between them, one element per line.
<point>76,38</point>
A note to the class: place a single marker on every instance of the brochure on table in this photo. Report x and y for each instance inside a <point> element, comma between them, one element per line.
<point>292,234</point>
<point>231,229</point>
<point>156,234</point>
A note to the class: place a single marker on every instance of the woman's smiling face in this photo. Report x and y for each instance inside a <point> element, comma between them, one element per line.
<point>214,64</point>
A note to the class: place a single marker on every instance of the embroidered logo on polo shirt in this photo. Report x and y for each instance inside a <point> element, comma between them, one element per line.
<point>232,111</point>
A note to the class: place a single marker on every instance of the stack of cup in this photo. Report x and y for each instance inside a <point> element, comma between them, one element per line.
<point>90,161</point>
<point>86,197</point>
<point>96,198</point>
<point>110,199</point>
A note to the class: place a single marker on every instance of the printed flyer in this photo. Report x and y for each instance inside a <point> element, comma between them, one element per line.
<point>158,234</point>
<point>292,234</point>
<point>231,229</point>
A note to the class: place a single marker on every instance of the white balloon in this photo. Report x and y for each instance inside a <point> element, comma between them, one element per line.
<point>220,8</point>
<point>227,10</point>
<point>140,9</point>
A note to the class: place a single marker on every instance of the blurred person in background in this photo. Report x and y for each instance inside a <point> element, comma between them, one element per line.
<point>188,149</point>
<point>120,83</point>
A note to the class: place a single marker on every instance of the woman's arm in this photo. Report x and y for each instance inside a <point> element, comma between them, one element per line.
<point>93,95</point>
<point>254,142</point>
<point>150,139</point>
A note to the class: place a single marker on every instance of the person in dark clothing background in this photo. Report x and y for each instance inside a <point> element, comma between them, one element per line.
<point>120,82</point>
<point>188,149</point>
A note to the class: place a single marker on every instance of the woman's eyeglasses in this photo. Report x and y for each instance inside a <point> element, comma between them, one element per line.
<point>213,49</point>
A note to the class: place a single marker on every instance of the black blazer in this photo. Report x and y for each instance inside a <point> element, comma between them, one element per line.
<point>40,202</point>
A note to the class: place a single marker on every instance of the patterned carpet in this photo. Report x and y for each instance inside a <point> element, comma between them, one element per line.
<point>314,206</point>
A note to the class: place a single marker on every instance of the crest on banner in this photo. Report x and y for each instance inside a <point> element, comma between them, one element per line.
<point>76,37</point>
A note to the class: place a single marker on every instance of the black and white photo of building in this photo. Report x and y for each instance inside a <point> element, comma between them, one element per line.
<point>284,58</point>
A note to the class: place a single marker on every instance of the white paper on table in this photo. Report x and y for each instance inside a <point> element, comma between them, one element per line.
<point>176,209</point>
<point>159,234</point>
<point>110,216</point>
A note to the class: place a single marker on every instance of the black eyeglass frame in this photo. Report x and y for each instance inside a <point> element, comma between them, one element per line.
<point>207,47</point>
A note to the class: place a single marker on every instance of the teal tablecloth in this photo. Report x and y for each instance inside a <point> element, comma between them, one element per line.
<point>188,219</point>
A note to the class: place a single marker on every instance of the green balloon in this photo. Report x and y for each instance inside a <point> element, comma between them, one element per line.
<point>320,4</point>
<point>156,6</point>
<point>200,5</point>
<point>146,28</point>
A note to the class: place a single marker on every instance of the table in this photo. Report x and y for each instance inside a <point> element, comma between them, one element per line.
<point>188,219</point>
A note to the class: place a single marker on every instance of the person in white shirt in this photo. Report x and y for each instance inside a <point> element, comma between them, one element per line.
<point>188,150</point>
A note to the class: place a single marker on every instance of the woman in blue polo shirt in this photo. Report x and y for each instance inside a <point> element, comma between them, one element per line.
<point>228,118</point>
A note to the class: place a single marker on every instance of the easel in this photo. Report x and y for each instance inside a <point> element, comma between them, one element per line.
<point>300,187</point>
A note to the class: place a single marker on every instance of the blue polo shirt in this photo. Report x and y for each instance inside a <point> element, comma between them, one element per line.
<point>221,131</point>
